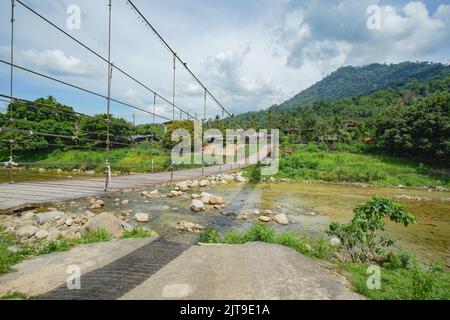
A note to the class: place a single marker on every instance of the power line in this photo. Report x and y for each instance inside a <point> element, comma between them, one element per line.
<point>80,88</point>
<point>101,57</point>
<point>184,64</point>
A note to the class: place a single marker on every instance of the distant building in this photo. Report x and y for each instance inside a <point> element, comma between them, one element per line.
<point>141,138</point>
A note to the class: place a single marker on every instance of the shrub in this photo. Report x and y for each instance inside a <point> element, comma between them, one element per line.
<point>361,240</point>
<point>210,236</point>
<point>138,232</point>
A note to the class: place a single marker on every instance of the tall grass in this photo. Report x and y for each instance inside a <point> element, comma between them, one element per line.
<point>362,168</point>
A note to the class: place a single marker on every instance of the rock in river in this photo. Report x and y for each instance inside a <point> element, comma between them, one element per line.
<point>281,219</point>
<point>107,221</point>
<point>197,205</point>
<point>47,216</point>
<point>141,217</point>
<point>264,219</point>
<point>27,231</point>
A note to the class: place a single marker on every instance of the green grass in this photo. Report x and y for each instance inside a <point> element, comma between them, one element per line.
<point>316,247</point>
<point>418,283</point>
<point>124,160</point>
<point>14,296</point>
<point>9,259</point>
<point>138,232</point>
<point>312,164</point>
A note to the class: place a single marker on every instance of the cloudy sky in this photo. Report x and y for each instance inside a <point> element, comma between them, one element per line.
<point>251,53</point>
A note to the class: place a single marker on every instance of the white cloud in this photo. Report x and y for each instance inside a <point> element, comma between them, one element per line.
<point>331,34</point>
<point>56,62</point>
<point>225,72</point>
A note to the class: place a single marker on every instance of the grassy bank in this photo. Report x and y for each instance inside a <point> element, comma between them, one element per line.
<point>311,164</point>
<point>9,258</point>
<point>125,160</point>
<point>403,277</point>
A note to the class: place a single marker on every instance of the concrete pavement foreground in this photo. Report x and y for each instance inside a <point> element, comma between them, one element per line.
<point>157,269</point>
<point>253,271</point>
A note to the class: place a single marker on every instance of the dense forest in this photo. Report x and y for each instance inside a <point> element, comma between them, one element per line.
<point>409,121</point>
<point>46,125</point>
<point>351,81</point>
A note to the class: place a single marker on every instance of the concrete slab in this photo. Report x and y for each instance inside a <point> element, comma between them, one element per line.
<point>42,274</point>
<point>244,272</point>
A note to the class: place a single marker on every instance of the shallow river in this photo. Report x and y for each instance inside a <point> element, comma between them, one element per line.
<point>311,206</point>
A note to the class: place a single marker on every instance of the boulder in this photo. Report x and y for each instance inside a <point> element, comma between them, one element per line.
<point>89,214</point>
<point>27,215</point>
<point>196,196</point>
<point>204,183</point>
<point>335,242</point>
<point>216,200</point>
<point>106,221</point>
<point>124,202</point>
<point>141,217</point>
<point>264,219</point>
<point>268,212</point>
<point>195,184</point>
<point>96,206</point>
<point>240,178</point>
<point>197,205</point>
<point>153,194</point>
<point>47,216</point>
<point>189,226</point>
<point>27,231</point>
<point>69,222</point>
<point>183,186</point>
<point>281,219</point>
<point>42,234</point>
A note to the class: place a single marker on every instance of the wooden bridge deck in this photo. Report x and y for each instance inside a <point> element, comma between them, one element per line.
<point>39,193</point>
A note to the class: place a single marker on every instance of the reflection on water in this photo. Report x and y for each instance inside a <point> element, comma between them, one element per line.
<point>311,206</point>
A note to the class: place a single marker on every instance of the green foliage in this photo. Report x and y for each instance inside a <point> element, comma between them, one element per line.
<point>254,172</point>
<point>421,282</point>
<point>209,235</point>
<point>137,232</point>
<point>358,168</point>
<point>316,247</point>
<point>14,296</point>
<point>8,258</point>
<point>360,239</point>
<point>99,235</point>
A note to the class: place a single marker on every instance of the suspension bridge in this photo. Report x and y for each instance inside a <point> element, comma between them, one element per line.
<point>15,131</point>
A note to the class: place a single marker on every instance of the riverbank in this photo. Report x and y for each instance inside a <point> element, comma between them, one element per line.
<point>365,169</point>
<point>226,202</point>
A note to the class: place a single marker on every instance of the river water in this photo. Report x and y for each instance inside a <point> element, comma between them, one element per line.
<point>311,206</point>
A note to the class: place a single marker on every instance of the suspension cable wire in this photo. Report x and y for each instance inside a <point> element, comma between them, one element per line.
<point>99,56</point>
<point>31,104</point>
<point>80,88</point>
<point>108,100</point>
<point>184,64</point>
<point>154,107</point>
<point>52,135</point>
<point>11,84</point>
<point>174,79</point>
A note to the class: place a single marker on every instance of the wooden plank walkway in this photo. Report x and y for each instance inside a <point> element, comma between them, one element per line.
<point>39,193</point>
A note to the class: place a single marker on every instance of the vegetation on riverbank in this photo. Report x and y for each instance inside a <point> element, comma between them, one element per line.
<point>8,257</point>
<point>403,276</point>
<point>311,163</point>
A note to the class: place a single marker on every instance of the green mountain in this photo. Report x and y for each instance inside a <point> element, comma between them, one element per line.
<point>352,81</point>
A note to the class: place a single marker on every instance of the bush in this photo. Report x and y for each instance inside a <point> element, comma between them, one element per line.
<point>138,232</point>
<point>210,236</point>
<point>361,240</point>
